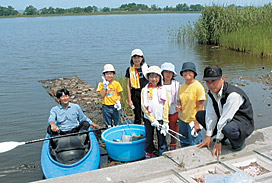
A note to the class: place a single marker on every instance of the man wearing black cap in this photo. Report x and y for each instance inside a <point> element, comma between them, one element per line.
<point>228,114</point>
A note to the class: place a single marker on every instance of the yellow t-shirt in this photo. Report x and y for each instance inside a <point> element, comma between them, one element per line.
<point>112,94</point>
<point>188,96</point>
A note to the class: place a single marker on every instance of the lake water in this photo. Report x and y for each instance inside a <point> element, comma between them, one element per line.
<point>33,49</point>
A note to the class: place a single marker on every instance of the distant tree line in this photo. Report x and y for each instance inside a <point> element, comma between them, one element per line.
<point>131,7</point>
<point>8,11</point>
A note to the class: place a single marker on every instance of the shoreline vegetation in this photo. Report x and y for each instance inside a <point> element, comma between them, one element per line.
<point>244,29</point>
<point>100,13</point>
<point>131,8</point>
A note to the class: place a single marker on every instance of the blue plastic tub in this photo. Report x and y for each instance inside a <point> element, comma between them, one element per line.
<point>124,151</point>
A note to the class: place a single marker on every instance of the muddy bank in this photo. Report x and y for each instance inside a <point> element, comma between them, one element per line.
<point>267,79</point>
<point>80,93</point>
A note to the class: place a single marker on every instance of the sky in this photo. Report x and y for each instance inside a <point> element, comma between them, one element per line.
<point>22,4</point>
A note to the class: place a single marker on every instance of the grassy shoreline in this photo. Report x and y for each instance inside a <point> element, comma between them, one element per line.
<point>255,40</point>
<point>243,29</point>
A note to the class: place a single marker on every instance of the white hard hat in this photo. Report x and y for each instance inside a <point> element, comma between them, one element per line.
<point>108,68</point>
<point>153,69</point>
<point>137,52</point>
<point>166,66</point>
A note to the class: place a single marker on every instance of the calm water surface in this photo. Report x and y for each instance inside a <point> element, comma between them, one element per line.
<point>33,49</point>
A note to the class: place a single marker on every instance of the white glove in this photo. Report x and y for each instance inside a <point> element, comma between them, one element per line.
<point>105,83</point>
<point>118,105</point>
<point>156,124</point>
<point>194,133</point>
<point>164,129</point>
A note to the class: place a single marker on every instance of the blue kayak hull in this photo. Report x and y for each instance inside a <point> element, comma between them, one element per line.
<point>52,169</point>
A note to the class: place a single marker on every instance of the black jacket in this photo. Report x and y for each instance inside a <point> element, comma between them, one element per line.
<point>244,115</point>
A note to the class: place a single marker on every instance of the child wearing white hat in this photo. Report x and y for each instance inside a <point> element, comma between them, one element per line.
<point>172,87</point>
<point>110,91</point>
<point>135,81</point>
<point>155,106</point>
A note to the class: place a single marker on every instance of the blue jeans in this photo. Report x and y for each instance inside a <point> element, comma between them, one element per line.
<point>231,130</point>
<point>189,140</point>
<point>110,113</point>
<point>149,133</point>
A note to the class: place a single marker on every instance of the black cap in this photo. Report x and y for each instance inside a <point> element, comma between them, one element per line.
<point>212,73</point>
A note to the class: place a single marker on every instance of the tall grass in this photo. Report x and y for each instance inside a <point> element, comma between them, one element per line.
<point>216,21</point>
<point>256,40</point>
<point>185,33</point>
<point>122,80</point>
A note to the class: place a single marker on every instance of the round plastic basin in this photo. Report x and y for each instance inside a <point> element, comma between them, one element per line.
<point>124,151</point>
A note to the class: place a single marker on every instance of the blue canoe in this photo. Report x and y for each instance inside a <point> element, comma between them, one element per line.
<point>70,155</point>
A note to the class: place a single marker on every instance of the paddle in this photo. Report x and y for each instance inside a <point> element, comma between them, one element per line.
<point>7,146</point>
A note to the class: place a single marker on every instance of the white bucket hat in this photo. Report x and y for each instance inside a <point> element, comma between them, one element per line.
<point>137,52</point>
<point>166,66</point>
<point>153,69</point>
<point>108,68</point>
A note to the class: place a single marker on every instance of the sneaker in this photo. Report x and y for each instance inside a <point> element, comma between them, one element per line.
<point>148,155</point>
<point>226,142</point>
<point>172,147</point>
<point>241,147</point>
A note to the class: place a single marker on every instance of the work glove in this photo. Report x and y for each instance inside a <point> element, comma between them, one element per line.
<point>194,133</point>
<point>105,83</point>
<point>156,124</point>
<point>118,105</point>
<point>164,129</point>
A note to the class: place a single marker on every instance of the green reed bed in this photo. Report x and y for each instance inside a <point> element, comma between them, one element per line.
<point>216,21</point>
<point>256,40</point>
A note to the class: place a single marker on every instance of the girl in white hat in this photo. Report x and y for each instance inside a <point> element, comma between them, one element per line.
<point>155,107</point>
<point>135,81</point>
<point>172,87</point>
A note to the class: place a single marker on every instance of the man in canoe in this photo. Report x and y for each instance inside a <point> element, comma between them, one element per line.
<point>228,115</point>
<point>67,117</point>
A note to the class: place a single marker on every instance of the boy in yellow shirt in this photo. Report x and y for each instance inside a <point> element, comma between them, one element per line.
<point>110,91</point>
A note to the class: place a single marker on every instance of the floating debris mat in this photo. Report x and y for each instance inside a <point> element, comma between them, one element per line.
<point>80,93</point>
<point>267,79</point>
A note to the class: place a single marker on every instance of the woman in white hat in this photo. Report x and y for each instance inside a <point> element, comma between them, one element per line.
<point>135,81</point>
<point>172,87</point>
<point>155,107</point>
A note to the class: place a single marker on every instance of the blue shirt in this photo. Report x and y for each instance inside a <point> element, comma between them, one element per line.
<point>67,118</point>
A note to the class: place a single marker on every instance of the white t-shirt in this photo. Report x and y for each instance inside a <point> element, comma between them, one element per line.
<point>156,106</point>
<point>172,106</point>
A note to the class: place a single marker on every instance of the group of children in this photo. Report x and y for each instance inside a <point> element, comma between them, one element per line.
<point>158,100</point>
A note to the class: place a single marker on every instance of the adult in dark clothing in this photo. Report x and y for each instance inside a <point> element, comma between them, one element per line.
<point>228,114</point>
<point>135,81</point>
